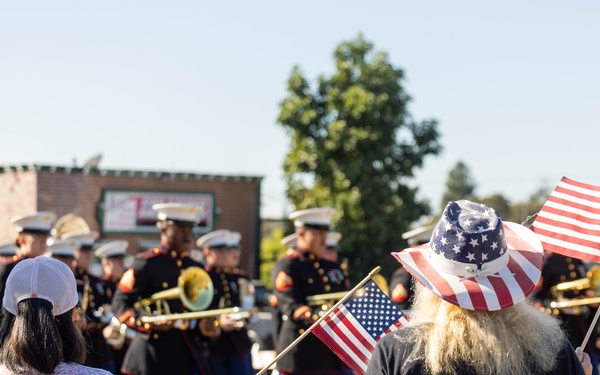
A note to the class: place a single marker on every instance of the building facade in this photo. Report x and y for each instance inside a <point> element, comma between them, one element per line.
<point>117,203</point>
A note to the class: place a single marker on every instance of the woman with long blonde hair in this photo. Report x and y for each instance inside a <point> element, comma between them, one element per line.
<point>470,313</point>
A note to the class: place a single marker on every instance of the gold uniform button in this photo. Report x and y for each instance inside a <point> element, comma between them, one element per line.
<point>321,272</point>
<point>316,264</point>
<point>325,278</point>
<point>301,331</point>
<point>164,284</point>
<point>327,288</point>
<point>155,336</point>
<point>178,263</point>
<point>310,281</point>
<point>573,274</point>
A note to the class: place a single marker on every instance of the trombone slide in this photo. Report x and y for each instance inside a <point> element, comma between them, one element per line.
<point>192,315</point>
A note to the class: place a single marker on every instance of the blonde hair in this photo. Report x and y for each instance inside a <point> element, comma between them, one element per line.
<point>512,341</point>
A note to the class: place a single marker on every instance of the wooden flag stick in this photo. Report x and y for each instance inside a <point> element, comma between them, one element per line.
<point>589,332</point>
<point>374,272</point>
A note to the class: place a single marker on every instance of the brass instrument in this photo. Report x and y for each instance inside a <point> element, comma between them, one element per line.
<point>382,284</point>
<point>591,281</point>
<point>194,288</point>
<point>192,315</point>
<point>325,301</point>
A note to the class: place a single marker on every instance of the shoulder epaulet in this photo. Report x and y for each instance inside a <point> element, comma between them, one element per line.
<point>150,253</point>
<point>292,254</point>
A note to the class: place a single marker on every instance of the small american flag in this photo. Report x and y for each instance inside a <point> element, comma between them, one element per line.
<point>569,221</point>
<point>352,329</point>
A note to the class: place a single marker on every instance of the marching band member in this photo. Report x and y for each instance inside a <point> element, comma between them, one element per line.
<point>112,258</point>
<point>165,347</point>
<point>31,241</point>
<point>8,253</point>
<point>92,294</point>
<point>332,246</point>
<point>230,353</point>
<point>301,273</point>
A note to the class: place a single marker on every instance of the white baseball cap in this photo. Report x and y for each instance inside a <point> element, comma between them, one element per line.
<point>44,278</point>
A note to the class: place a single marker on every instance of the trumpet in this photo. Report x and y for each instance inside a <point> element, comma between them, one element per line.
<point>591,281</point>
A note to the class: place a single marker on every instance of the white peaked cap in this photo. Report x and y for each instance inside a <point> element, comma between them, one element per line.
<point>81,238</point>
<point>62,248</point>
<point>112,249</point>
<point>40,221</point>
<point>44,278</point>
<point>290,240</point>
<point>178,212</point>
<point>8,249</point>
<point>215,238</point>
<point>234,238</point>
<point>316,217</point>
<point>419,235</point>
<point>333,238</point>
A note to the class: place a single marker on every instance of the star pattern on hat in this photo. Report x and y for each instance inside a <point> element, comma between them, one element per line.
<point>469,232</point>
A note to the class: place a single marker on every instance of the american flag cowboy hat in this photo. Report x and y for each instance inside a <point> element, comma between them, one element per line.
<point>476,261</point>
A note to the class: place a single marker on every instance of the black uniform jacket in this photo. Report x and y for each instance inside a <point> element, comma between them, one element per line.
<point>296,276</point>
<point>92,295</point>
<point>175,351</point>
<point>227,284</point>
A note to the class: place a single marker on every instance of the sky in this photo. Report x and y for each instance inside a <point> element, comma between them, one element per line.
<point>195,86</point>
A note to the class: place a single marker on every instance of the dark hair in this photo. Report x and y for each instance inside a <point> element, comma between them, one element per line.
<point>36,339</point>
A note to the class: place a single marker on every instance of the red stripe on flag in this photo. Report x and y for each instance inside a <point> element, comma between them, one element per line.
<point>580,184</point>
<point>568,237</point>
<point>570,203</point>
<point>502,292</point>
<point>567,215</point>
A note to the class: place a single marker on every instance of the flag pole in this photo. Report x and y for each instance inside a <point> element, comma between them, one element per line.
<point>374,272</point>
<point>589,332</point>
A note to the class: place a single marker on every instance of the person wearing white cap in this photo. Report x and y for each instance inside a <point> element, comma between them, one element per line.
<point>8,253</point>
<point>401,280</point>
<point>31,241</point>
<point>471,313</point>
<point>301,273</point>
<point>92,293</point>
<point>230,353</point>
<point>63,251</point>
<point>332,246</point>
<point>112,258</point>
<point>37,334</point>
<point>164,348</point>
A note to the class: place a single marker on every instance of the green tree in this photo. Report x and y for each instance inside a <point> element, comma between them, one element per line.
<point>354,146</point>
<point>500,204</point>
<point>459,185</point>
<point>270,250</point>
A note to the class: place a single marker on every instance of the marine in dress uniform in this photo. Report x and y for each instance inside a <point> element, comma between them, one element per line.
<point>170,347</point>
<point>31,241</point>
<point>301,273</point>
<point>92,296</point>
<point>401,281</point>
<point>230,353</point>
<point>8,253</point>
<point>112,258</point>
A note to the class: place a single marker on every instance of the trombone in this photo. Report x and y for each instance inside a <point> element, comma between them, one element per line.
<point>591,281</point>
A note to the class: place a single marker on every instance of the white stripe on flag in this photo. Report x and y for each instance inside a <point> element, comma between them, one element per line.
<point>568,232</point>
<point>579,189</point>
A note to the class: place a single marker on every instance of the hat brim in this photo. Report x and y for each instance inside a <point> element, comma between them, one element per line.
<point>515,282</point>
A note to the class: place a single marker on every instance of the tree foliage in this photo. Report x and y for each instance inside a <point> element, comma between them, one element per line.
<point>354,146</point>
<point>459,185</point>
<point>271,249</point>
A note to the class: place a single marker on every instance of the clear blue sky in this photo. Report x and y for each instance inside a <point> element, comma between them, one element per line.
<point>195,85</point>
